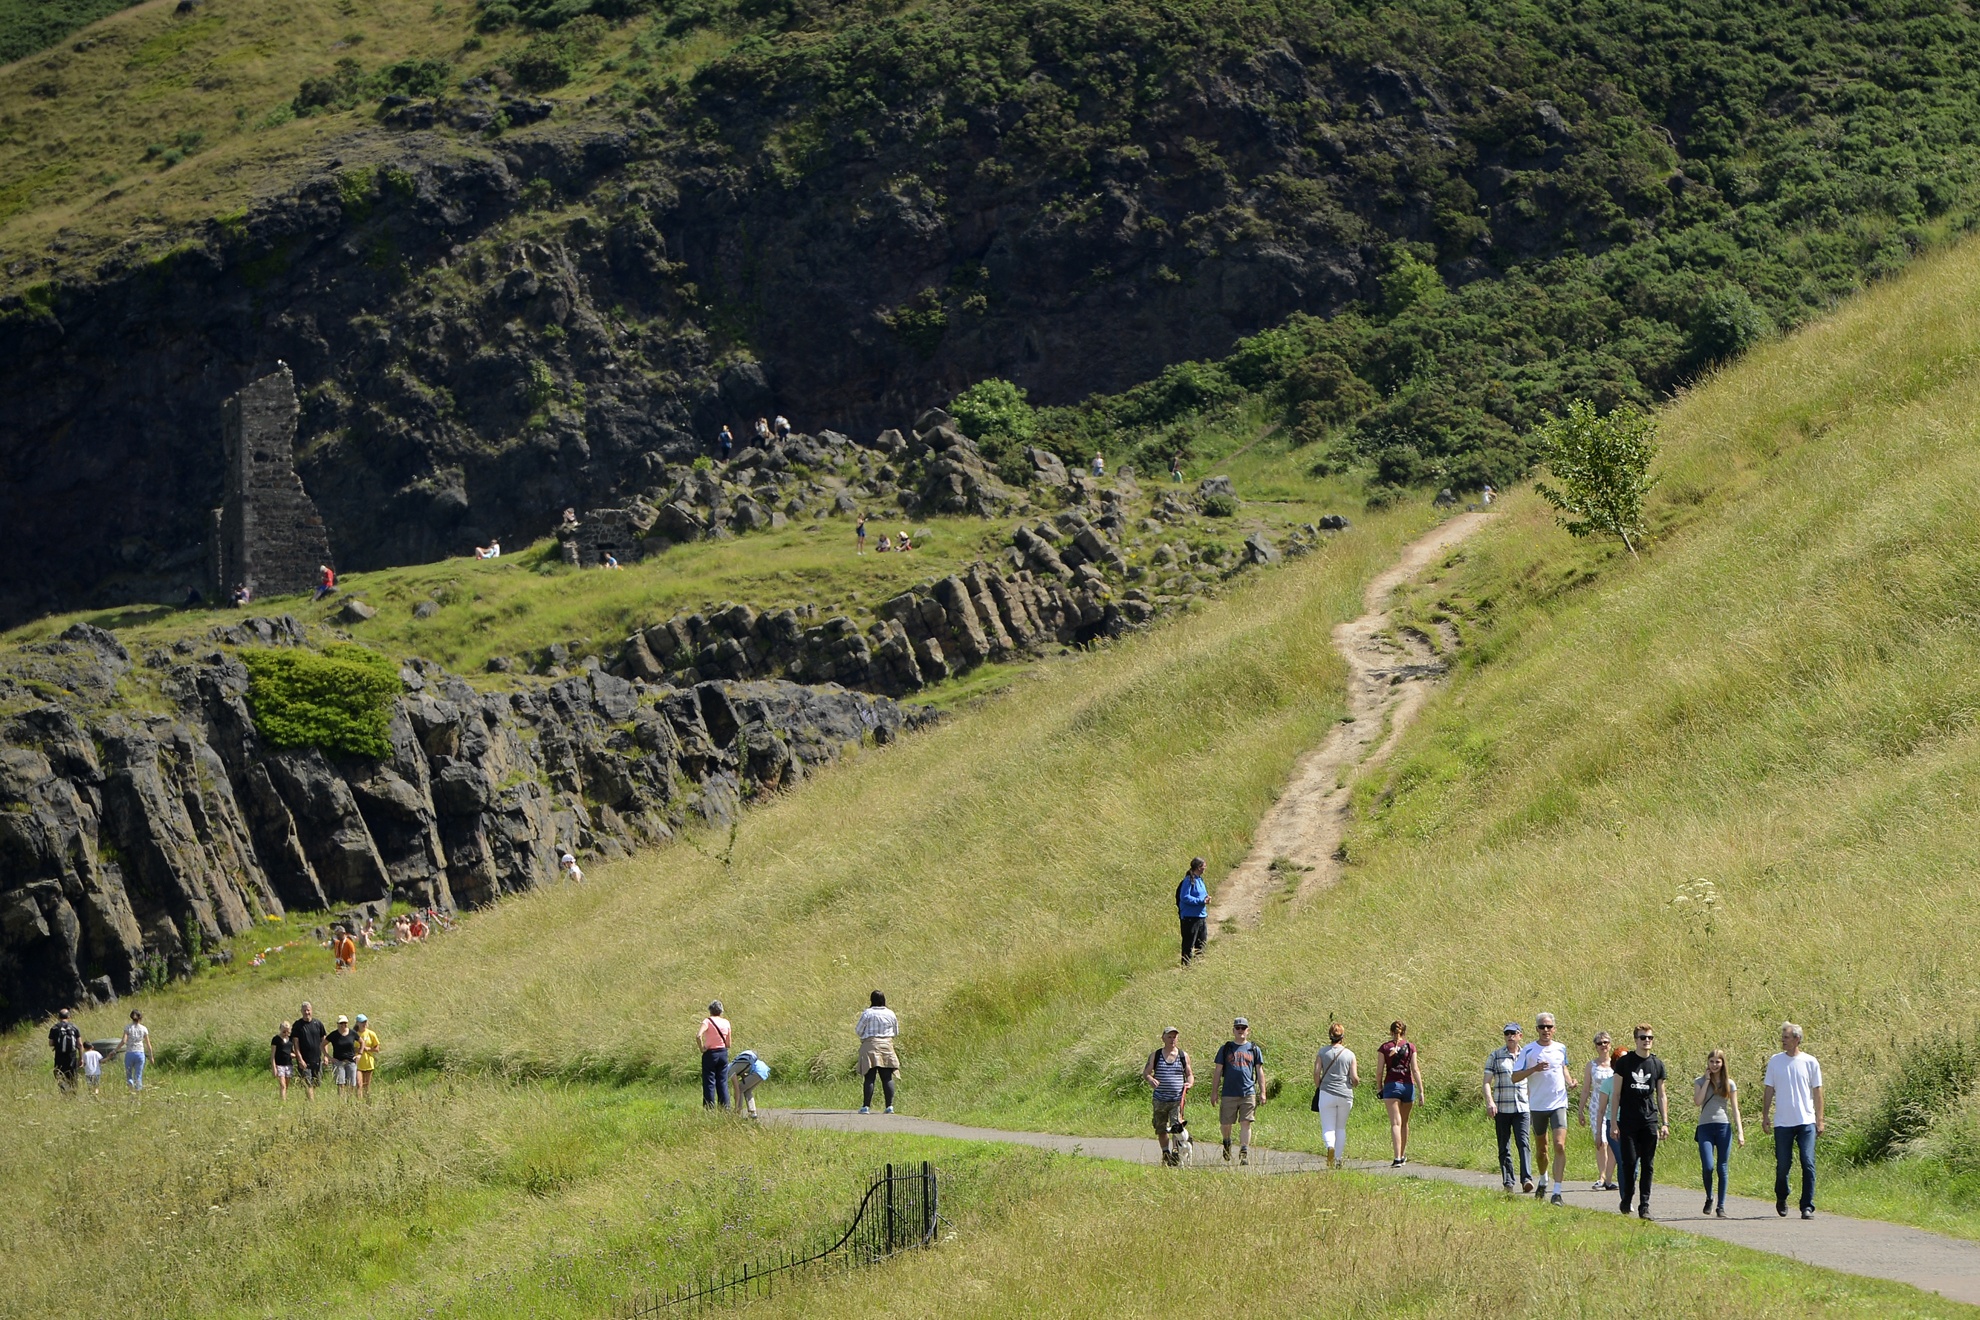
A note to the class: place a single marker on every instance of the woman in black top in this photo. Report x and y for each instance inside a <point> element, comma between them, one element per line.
<point>282,1057</point>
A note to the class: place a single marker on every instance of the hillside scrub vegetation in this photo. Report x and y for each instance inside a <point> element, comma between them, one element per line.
<point>338,700</point>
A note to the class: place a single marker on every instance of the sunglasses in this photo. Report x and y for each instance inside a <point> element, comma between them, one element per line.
<point>1646,1035</point>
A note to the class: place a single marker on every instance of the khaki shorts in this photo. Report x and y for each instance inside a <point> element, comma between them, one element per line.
<point>1236,1108</point>
<point>1166,1112</point>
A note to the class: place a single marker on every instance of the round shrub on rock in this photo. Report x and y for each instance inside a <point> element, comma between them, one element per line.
<point>339,700</point>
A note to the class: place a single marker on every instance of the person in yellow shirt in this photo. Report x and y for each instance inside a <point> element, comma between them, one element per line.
<point>367,1055</point>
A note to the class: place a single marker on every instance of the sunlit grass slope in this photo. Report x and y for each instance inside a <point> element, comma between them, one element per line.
<point>1780,699</point>
<point>1011,865</point>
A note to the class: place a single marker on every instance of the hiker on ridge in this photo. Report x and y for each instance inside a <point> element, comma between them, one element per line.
<point>1240,1080</point>
<point>877,1029</point>
<point>714,1036</point>
<point>1547,1094</point>
<point>1794,1082</point>
<point>1402,1083</point>
<point>1168,1071</point>
<point>1506,1102</point>
<point>1192,909</point>
<point>1640,1117</point>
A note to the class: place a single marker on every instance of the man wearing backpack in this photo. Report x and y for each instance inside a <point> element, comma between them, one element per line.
<point>66,1040</point>
<point>1240,1081</point>
<point>1169,1072</point>
<point>1192,908</point>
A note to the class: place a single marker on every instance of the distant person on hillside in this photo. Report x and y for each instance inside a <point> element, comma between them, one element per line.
<point>343,950</point>
<point>859,535</point>
<point>1402,1084</point>
<point>326,581</point>
<point>137,1049</point>
<point>1240,1081</point>
<point>713,1036</point>
<point>1169,1073</point>
<point>886,544</point>
<point>878,1029</point>
<point>904,543</point>
<point>1794,1084</point>
<point>1641,1118</point>
<point>1547,1090</point>
<point>611,560</point>
<point>1487,495</point>
<point>1598,1079</point>
<point>367,1055</point>
<point>1336,1073</point>
<point>725,444</point>
<point>344,1057</point>
<point>572,871</point>
<point>417,930</point>
<point>309,1034</point>
<point>782,426</point>
<point>762,431</point>
<point>193,599</point>
<point>402,929</point>
<point>282,1056</point>
<point>242,595</point>
<point>746,1074</point>
<point>92,1068</point>
<point>1506,1102</point>
<point>1192,910</point>
<point>1175,468</point>
<point>1717,1096</point>
<point>65,1039</point>
<point>368,937</point>
<point>1099,464</point>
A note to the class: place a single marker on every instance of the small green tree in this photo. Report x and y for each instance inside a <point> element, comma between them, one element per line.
<point>995,407</point>
<point>1603,467</point>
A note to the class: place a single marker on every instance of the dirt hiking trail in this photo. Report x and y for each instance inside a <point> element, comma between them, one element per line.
<point>1390,676</point>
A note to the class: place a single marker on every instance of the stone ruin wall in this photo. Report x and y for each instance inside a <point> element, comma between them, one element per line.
<point>268,533</point>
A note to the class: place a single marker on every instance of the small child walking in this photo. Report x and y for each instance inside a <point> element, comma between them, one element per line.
<point>92,1062</point>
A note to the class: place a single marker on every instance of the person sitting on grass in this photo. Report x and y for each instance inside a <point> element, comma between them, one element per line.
<point>326,581</point>
<point>401,929</point>
<point>886,543</point>
<point>905,543</point>
<point>611,560</point>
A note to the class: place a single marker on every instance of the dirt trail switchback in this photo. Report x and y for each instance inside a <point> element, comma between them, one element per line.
<point>1390,676</point>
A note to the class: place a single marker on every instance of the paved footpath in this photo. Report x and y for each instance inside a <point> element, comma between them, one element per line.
<point>1944,1265</point>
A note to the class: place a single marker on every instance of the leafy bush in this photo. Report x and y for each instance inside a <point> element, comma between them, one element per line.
<point>1728,323</point>
<point>1219,506</point>
<point>338,700</point>
<point>995,407</point>
<point>1602,469</point>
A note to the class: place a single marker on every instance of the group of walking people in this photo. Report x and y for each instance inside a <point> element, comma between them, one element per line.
<point>1528,1091</point>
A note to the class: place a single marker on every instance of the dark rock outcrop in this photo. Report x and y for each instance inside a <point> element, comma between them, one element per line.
<point>130,840</point>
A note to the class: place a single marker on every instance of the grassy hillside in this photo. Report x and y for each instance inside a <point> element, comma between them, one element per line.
<point>1778,698</point>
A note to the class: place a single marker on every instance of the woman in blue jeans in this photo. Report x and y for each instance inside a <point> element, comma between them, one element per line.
<point>1717,1096</point>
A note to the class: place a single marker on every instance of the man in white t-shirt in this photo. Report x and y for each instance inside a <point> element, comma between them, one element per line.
<point>1544,1064</point>
<point>1791,1108</point>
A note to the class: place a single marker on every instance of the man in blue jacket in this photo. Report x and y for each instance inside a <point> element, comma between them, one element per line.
<point>1192,906</point>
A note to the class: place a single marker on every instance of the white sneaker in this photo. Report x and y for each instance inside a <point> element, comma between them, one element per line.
<point>890,1109</point>
<point>866,1109</point>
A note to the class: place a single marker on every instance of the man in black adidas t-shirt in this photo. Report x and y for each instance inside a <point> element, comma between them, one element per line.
<point>1642,1118</point>
<point>308,1033</point>
<point>66,1041</point>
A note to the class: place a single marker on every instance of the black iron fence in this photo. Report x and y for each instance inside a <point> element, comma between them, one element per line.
<point>898,1213</point>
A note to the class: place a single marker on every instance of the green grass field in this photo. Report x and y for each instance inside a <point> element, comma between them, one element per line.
<point>1778,698</point>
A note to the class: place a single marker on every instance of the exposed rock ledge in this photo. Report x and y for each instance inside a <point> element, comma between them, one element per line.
<point>130,838</point>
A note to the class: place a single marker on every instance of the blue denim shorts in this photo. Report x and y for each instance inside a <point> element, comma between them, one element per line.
<point>1399,1091</point>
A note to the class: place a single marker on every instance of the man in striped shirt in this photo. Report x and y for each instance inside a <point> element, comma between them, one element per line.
<point>1168,1071</point>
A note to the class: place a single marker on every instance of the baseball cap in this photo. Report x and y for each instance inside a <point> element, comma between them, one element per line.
<point>342,1018</point>
<point>363,1018</point>
<point>1240,1022</point>
<point>1170,1031</point>
<point>1511,1027</point>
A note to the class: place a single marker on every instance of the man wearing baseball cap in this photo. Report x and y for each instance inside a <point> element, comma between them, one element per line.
<point>1505,1101</point>
<point>1169,1072</point>
<point>1240,1080</point>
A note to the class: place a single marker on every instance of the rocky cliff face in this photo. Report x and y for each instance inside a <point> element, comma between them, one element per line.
<point>489,326</point>
<point>130,838</point>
